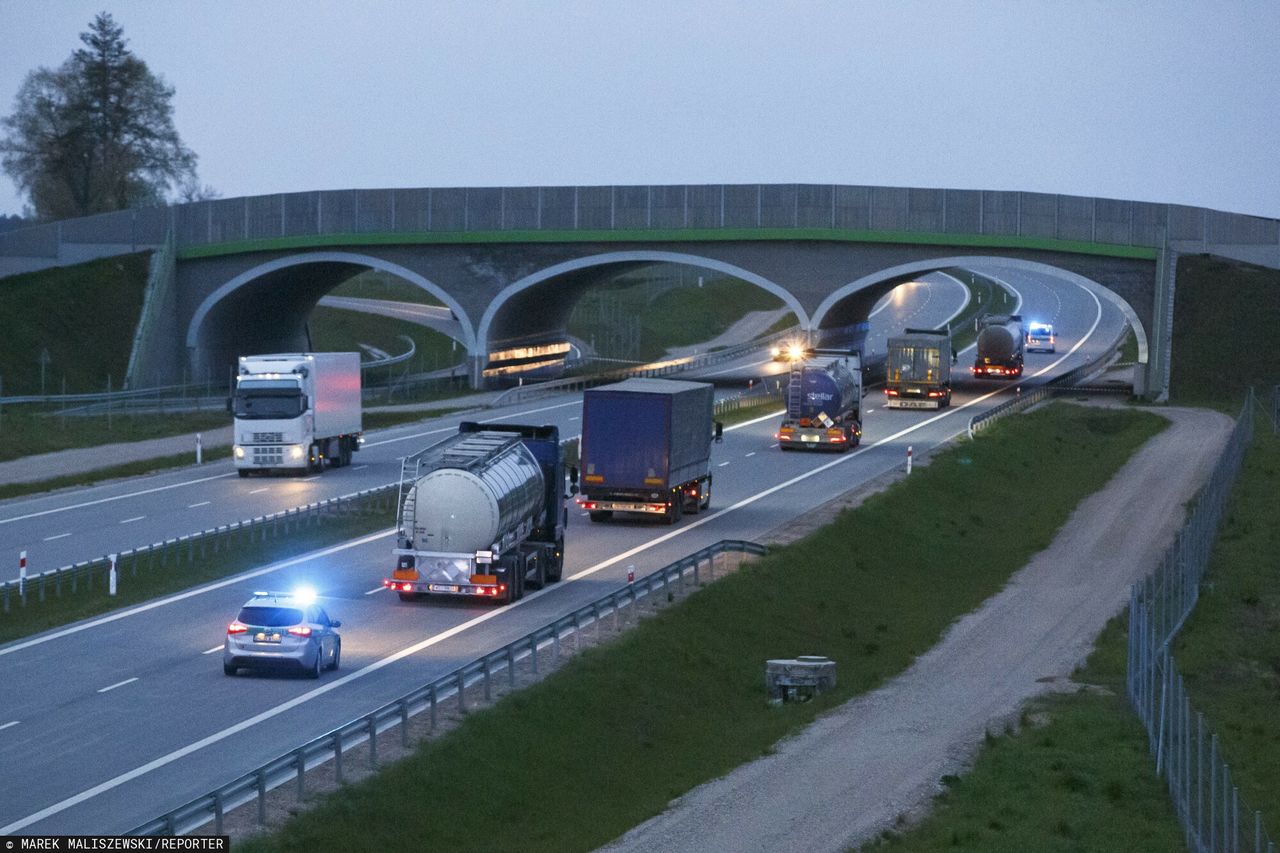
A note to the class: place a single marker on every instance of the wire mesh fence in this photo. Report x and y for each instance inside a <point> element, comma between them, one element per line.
<point>1213,814</point>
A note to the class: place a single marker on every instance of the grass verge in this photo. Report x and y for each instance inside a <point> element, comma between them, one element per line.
<point>622,729</point>
<point>51,314</point>
<point>1075,775</point>
<point>343,330</point>
<point>1229,649</point>
<point>153,580</point>
<point>26,432</point>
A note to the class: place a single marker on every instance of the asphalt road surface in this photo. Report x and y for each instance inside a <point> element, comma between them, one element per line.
<point>113,721</point>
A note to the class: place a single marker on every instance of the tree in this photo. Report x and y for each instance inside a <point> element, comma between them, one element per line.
<point>97,133</point>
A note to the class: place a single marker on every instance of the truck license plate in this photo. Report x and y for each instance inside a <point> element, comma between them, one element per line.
<point>443,587</point>
<point>812,438</point>
<point>917,404</point>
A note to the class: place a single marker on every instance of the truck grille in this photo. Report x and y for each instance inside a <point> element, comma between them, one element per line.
<point>268,437</point>
<point>268,455</point>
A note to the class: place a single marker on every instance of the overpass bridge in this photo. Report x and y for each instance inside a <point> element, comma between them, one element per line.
<point>230,276</point>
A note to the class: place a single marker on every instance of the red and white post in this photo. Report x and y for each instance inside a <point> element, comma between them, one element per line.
<point>631,574</point>
<point>908,459</point>
<point>111,575</point>
<point>22,573</point>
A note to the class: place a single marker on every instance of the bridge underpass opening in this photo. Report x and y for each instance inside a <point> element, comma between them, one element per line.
<point>626,311</point>
<point>276,308</point>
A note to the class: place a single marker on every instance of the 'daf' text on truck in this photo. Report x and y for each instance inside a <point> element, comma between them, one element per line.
<point>646,448</point>
<point>482,513</point>
<point>296,411</point>
<point>824,403</point>
<point>918,370</point>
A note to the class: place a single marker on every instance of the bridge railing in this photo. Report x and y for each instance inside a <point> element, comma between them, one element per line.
<point>668,208</point>
<point>291,767</point>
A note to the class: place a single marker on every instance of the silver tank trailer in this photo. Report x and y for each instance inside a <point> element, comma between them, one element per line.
<point>458,510</point>
<point>1000,342</point>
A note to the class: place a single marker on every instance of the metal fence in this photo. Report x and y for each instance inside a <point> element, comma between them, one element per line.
<point>186,550</point>
<point>1071,382</point>
<point>481,672</point>
<point>1214,816</point>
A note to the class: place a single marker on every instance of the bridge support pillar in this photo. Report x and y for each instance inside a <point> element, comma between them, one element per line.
<point>475,371</point>
<point>1157,378</point>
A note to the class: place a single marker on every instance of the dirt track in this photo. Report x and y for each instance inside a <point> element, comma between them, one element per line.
<point>855,770</point>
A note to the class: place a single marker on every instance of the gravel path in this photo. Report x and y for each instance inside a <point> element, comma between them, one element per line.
<point>855,770</point>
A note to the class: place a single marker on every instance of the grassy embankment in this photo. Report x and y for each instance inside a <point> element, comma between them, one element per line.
<point>1041,788</point>
<point>625,727</point>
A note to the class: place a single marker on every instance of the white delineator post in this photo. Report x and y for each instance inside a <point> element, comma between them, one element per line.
<point>199,454</point>
<point>22,573</point>
<point>908,459</point>
<point>111,575</point>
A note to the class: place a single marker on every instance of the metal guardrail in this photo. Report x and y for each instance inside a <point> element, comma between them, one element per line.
<point>1068,383</point>
<point>54,583</point>
<point>291,767</point>
<point>1187,754</point>
<point>657,368</point>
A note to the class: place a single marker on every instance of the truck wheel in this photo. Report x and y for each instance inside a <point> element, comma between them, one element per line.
<point>346,450</point>
<point>314,463</point>
<point>601,514</point>
<point>243,472</point>
<point>673,515</point>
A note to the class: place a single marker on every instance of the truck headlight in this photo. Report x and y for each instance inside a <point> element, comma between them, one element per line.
<point>295,451</point>
<point>239,452</point>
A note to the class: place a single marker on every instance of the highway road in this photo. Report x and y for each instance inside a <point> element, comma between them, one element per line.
<point>110,722</point>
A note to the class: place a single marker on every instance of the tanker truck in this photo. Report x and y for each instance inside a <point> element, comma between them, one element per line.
<point>999,348</point>
<point>824,403</point>
<point>918,370</point>
<point>646,448</point>
<point>481,514</point>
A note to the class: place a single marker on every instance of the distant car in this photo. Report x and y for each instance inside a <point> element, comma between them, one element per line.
<point>1040,338</point>
<point>282,631</point>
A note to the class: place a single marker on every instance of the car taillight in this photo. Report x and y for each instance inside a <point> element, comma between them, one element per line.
<point>237,627</point>
<point>300,630</point>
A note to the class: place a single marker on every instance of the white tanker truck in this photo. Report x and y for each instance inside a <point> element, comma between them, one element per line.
<point>481,514</point>
<point>999,346</point>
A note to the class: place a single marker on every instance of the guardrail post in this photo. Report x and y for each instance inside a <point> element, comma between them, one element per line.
<point>488,693</point>
<point>404,723</point>
<point>462,692</point>
<point>555,643</point>
<point>511,666</point>
<point>577,634</point>
<point>217,813</point>
<point>337,755</point>
<point>533,649</point>
<point>373,742</point>
<point>433,707</point>
<point>262,797</point>
<point>301,758</point>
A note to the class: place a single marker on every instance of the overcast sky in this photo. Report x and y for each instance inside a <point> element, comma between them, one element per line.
<point>1159,101</point>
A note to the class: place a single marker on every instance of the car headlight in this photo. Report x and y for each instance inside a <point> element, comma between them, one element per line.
<point>239,452</point>
<point>295,452</point>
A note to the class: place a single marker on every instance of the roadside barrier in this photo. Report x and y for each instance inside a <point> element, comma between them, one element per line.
<point>291,767</point>
<point>33,589</point>
<point>1187,754</point>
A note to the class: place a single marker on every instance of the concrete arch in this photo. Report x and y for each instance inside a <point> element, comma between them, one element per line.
<point>225,290</point>
<point>628,257</point>
<point>905,271</point>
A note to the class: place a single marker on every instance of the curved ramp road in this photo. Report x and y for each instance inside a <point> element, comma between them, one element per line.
<point>851,773</point>
<point>108,723</point>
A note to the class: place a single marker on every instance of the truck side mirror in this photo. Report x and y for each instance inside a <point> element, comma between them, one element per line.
<point>719,432</point>
<point>573,480</point>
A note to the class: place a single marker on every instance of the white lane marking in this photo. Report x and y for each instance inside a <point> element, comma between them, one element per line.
<point>375,589</point>
<point>115,498</point>
<point>752,453</point>
<point>135,518</point>
<point>119,684</point>
<point>309,479</point>
<point>574,418</point>
<point>9,725</point>
<point>221,476</point>
<point>737,367</point>
<point>59,536</point>
<point>722,464</point>
<point>455,428</point>
<point>202,503</point>
<point>869,410</point>
<point>359,467</point>
<point>244,576</point>
<point>177,754</point>
<point>263,489</point>
<point>212,650</point>
<point>963,305</point>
